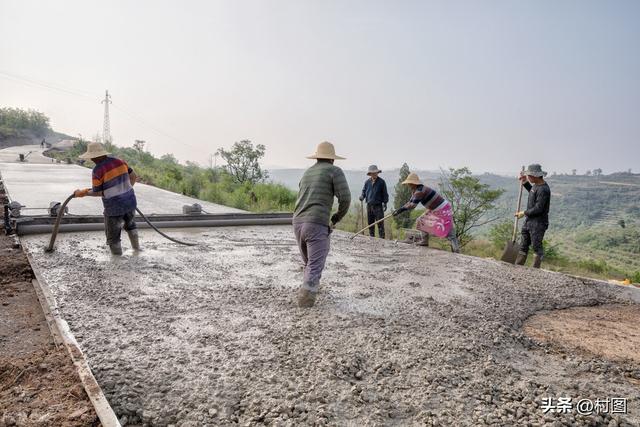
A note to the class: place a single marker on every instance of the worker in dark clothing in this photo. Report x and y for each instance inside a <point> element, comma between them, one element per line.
<point>376,195</point>
<point>537,214</point>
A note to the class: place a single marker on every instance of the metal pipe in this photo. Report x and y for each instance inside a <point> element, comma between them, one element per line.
<point>25,228</point>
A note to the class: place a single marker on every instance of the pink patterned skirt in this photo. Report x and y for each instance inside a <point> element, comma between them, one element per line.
<point>437,222</point>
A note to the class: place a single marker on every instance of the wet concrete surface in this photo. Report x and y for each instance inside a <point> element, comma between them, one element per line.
<point>35,185</point>
<point>32,153</point>
<point>400,335</point>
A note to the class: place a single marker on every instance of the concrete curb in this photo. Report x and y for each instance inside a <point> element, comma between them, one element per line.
<point>62,335</point>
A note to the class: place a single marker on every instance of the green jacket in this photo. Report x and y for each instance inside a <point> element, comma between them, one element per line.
<point>318,186</point>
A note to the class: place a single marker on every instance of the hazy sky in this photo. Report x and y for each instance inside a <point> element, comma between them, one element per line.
<point>487,84</point>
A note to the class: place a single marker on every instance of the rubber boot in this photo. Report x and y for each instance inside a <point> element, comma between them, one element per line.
<point>133,238</point>
<point>537,260</point>
<point>455,246</point>
<point>424,241</point>
<point>306,298</point>
<point>521,259</point>
<point>116,248</point>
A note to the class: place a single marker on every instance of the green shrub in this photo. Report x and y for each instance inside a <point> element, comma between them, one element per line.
<point>598,266</point>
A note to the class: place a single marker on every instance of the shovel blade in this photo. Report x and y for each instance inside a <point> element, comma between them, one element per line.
<point>510,252</point>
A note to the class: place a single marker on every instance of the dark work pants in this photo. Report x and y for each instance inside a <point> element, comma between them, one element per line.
<point>375,213</point>
<point>532,235</point>
<point>113,226</point>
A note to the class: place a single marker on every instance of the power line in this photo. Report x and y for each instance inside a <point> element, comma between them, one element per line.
<point>46,85</point>
<point>70,91</point>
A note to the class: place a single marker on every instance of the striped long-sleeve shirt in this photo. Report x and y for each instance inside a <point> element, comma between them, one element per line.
<point>429,197</point>
<point>111,177</point>
<point>318,186</point>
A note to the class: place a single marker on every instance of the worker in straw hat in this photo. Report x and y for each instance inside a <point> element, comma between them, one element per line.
<point>312,219</point>
<point>438,218</point>
<point>537,214</point>
<point>113,180</point>
<point>377,197</point>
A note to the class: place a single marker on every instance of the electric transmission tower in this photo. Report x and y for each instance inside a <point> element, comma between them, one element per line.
<point>106,130</point>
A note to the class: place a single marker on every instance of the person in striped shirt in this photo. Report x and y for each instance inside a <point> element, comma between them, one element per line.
<point>312,219</point>
<point>432,201</point>
<point>113,180</point>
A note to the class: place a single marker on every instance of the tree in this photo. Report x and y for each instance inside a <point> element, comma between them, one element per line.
<point>243,162</point>
<point>501,233</point>
<point>588,173</point>
<point>574,171</point>
<point>597,172</point>
<point>402,196</point>
<point>139,145</point>
<point>470,199</point>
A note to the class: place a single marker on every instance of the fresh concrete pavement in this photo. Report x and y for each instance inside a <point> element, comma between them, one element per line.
<point>400,335</point>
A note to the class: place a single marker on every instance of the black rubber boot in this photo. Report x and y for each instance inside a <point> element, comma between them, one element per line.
<point>521,259</point>
<point>537,260</point>
<point>133,238</point>
<point>424,241</point>
<point>116,248</point>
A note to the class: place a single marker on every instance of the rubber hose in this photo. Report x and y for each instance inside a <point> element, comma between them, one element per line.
<point>161,233</point>
<point>54,234</point>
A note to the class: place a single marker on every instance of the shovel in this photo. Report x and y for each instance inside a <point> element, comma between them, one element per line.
<point>512,248</point>
<point>371,225</point>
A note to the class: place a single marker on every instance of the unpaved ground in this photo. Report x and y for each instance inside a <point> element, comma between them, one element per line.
<point>210,335</point>
<point>610,331</point>
<point>38,384</point>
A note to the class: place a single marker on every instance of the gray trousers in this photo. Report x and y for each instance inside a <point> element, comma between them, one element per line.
<point>313,242</point>
<point>113,226</point>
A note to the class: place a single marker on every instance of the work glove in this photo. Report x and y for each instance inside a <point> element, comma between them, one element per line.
<point>384,207</point>
<point>519,214</point>
<point>361,198</point>
<point>396,212</point>
<point>334,219</point>
<point>81,193</point>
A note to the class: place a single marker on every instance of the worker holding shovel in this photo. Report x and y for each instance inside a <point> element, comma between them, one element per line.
<point>113,180</point>
<point>537,214</point>
<point>438,218</point>
<point>376,195</point>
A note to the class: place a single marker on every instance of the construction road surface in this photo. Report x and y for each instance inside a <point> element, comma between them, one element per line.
<point>400,335</point>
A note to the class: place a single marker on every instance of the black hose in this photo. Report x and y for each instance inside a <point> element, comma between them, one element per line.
<point>54,233</point>
<point>162,234</point>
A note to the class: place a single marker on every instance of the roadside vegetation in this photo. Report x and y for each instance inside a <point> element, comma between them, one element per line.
<point>223,185</point>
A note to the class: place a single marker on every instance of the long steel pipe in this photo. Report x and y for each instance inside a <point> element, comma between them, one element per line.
<point>24,229</point>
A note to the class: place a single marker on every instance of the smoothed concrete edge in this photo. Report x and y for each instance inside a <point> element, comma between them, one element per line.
<point>62,334</point>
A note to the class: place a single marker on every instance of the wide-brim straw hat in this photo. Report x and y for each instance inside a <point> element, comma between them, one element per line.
<point>94,150</point>
<point>373,169</point>
<point>325,150</point>
<point>412,179</point>
<point>535,170</point>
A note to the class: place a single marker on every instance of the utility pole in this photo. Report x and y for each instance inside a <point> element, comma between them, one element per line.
<point>106,130</point>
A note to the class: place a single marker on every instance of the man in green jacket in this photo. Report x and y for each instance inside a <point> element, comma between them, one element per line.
<point>312,219</point>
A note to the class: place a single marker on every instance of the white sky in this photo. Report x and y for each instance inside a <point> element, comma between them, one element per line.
<point>487,84</point>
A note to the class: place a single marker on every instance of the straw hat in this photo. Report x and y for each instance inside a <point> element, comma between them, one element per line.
<point>94,149</point>
<point>373,169</point>
<point>325,150</point>
<point>535,170</point>
<point>412,179</point>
